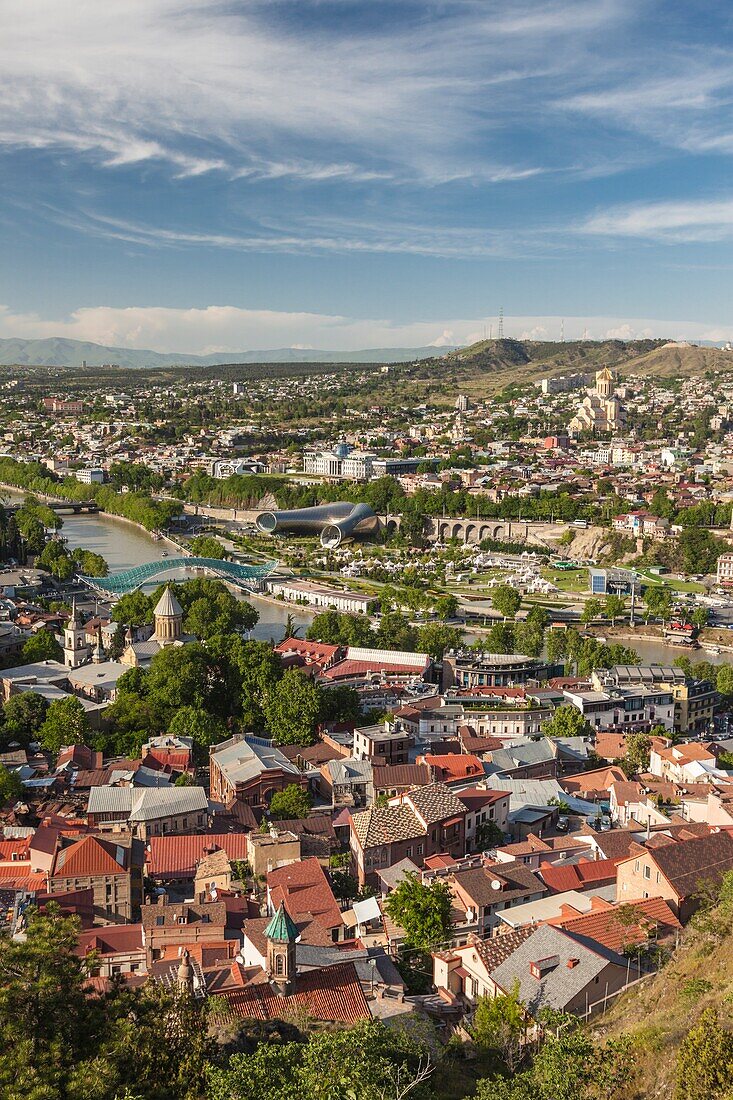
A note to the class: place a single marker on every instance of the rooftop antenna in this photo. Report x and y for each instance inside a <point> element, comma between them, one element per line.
<point>501,322</point>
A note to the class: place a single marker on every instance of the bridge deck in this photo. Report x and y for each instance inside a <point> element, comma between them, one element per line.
<point>129,579</point>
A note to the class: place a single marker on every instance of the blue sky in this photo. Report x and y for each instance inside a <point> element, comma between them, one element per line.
<point>209,176</point>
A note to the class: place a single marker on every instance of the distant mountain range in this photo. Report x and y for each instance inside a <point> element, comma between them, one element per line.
<point>59,352</point>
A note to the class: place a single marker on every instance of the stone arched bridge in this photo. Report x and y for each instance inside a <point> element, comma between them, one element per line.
<point>473,531</point>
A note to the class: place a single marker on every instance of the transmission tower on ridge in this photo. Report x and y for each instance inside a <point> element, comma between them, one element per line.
<point>501,322</point>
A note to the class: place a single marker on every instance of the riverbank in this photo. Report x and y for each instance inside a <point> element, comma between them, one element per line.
<point>21,494</point>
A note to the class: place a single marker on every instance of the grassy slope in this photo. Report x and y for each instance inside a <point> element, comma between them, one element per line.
<point>659,1012</point>
<point>490,365</point>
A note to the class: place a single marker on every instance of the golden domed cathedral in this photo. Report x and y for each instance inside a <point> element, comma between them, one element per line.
<point>601,411</point>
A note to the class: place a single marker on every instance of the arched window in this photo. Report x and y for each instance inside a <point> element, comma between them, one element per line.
<point>279,965</point>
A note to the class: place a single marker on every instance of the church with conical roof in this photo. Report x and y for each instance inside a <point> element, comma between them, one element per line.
<point>168,631</point>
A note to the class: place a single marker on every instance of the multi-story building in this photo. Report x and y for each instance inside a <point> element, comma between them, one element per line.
<point>249,770</point>
<point>625,708</point>
<point>641,525</point>
<point>111,867</point>
<point>382,744</point>
<point>725,569</point>
<point>322,595</point>
<point>465,668</point>
<point>148,811</point>
<point>674,870</point>
<point>169,925</point>
<point>341,462</point>
<point>694,700</point>
<point>413,826</point>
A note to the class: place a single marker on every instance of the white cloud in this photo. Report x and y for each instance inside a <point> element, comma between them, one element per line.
<point>666,221</point>
<point>230,329</point>
<point>446,338</point>
<point>211,87</point>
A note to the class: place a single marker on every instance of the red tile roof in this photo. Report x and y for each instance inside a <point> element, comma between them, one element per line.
<point>454,766</point>
<point>332,993</point>
<point>177,856</point>
<point>475,797</point>
<point>602,779</point>
<point>608,926</point>
<point>18,876</point>
<point>304,888</point>
<point>345,669</point>
<point>578,876</point>
<point>91,856</point>
<point>176,760</point>
<point>17,849</point>
<point>318,653</point>
<point>112,940</point>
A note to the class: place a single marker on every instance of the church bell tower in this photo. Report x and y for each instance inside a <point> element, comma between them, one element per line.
<point>282,935</point>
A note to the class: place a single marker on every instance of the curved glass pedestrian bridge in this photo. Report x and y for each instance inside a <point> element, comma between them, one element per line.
<point>117,584</point>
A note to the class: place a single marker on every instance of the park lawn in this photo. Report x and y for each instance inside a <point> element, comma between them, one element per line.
<point>653,581</point>
<point>575,580</point>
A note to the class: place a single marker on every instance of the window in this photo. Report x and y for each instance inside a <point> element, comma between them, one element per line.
<point>647,871</point>
<point>419,849</point>
<point>160,921</point>
<point>637,865</point>
<point>408,852</point>
<point>279,965</point>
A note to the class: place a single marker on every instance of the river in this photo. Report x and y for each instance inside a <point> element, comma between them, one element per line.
<point>123,544</point>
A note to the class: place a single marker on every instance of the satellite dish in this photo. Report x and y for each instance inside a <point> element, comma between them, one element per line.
<point>495,884</point>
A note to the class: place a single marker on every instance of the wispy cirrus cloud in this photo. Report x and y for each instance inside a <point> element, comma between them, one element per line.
<point>326,235</point>
<point>207,87</point>
<point>673,222</point>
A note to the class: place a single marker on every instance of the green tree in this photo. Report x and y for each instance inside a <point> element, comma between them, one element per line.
<point>368,1061</point>
<point>66,723</point>
<point>41,647</point>
<point>638,748</point>
<point>488,835</point>
<point>499,1025</point>
<point>446,607</point>
<point>205,729</point>
<point>395,632</point>
<point>567,721</point>
<point>206,546</point>
<point>11,787</point>
<point>658,602</point>
<point>423,910</point>
<point>181,676</point>
<point>705,1060</point>
<point>500,638</point>
<point>292,709</point>
<point>340,704</point>
<point>506,600</point>
<point>291,803</point>
<point>592,609</point>
<point>133,609</point>
<point>23,716</point>
<point>724,680</point>
<point>436,638</point>
<point>89,563</point>
<point>48,1024</point>
<point>614,607</point>
<point>700,617</point>
<point>327,627</point>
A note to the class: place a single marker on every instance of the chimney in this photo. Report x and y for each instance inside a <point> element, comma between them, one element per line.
<point>572,963</point>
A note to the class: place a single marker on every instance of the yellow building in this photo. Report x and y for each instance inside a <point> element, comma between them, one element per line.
<point>601,411</point>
